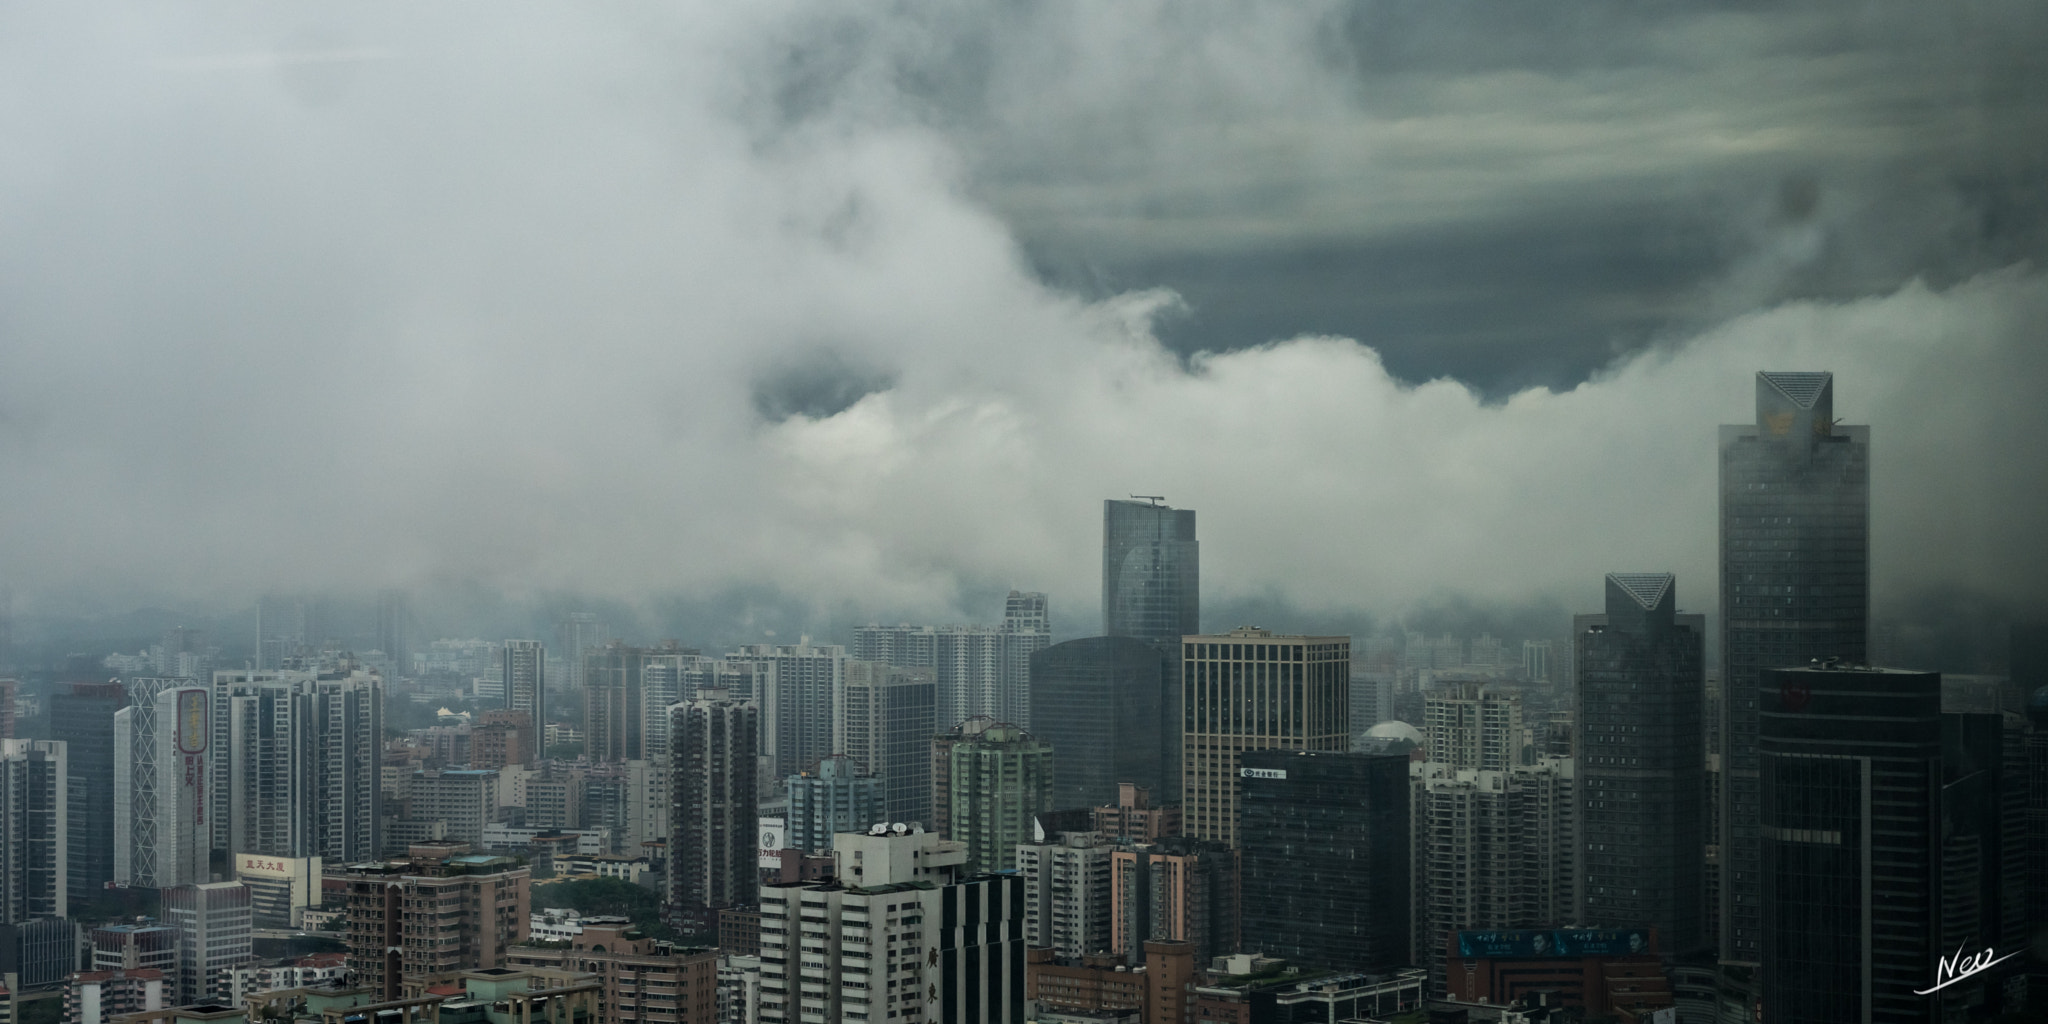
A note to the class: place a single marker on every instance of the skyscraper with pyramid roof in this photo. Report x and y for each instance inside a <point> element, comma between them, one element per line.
<point>1641,751</point>
<point>1795,586</point>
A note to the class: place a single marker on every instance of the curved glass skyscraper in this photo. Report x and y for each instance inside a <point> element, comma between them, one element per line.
<point>1151,572</point>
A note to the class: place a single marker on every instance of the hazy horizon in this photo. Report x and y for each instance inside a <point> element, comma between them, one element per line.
<point>791,317</point>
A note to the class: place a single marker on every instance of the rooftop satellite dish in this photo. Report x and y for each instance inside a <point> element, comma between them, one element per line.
<point>899,828</point>
<point>877,829</point>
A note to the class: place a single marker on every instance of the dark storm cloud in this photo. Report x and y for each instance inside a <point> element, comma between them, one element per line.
<point>868,310</point>
<point>1504,194</point>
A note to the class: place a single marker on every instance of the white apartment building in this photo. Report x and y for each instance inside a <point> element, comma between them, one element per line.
<point>896,936</point>
<point>1067,897</point>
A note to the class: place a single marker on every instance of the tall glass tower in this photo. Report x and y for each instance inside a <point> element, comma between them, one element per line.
<point>1151,590</point>
<point>1795,586</point>
<point>1151,571</point>
<point>1642,760</point>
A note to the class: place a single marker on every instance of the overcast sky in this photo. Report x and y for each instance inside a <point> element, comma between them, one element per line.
<point>870,307</point>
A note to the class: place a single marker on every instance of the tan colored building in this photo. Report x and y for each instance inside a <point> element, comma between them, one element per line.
<point>1250,689</point>
<point>1177,890</point>
<point>1134,818</point>
<point>501,738</point>
<point>1098,981</point>
<point>645,981</point>
<point>433,915</point>
<point>1169,982</point>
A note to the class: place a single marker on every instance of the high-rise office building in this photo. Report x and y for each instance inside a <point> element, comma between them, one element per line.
<point>998,782</point>
<point>212,921</point>
<point>1492,850</point>
<point>888,725</point>
<point>840,796</point>
<point>82,718</point>
<point>1174,889</point>
<point>1068,898</point>
<point>1324,840</point>
<point>525,677</point>
<point>1795,585</point>
<point>1151,571</point>
<point>1474,725</point>
<point>1890,840</point>
<point>714,741</point>
<point>901,910</point>
<point>1151,590</point>
<point>799,703</point>
<point>1642,761</point>
<point>162,836</point>
<point>1100,701</point>
<point>1250,689</point>
<point>35,814</point>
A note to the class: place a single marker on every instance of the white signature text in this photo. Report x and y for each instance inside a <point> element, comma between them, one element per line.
<point>1956,968</point>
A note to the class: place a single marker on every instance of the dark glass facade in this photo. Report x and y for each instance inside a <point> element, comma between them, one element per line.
<point>1641,761</point>
<point>1100,702</point>
<point>1795,585</point>
<point>1151,590</point>
<point>1151,571</point>
<point>1890,837</point>
<point>909,719</point>
<point>82,716</point>
<point>1323,838</point>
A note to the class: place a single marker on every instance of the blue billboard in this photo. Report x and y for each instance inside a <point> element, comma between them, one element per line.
<point>1539,943</point>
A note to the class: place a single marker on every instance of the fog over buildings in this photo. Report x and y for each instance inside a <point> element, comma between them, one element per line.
<point>781,316</point>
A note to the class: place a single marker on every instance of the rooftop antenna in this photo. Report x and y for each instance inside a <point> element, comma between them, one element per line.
<point>1153,498</point>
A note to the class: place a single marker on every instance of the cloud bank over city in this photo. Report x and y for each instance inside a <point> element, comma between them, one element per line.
<point>874,310</point>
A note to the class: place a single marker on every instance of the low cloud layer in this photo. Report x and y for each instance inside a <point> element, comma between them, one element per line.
<point>644,303</point>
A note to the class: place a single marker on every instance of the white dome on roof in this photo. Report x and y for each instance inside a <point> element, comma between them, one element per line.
<point>1395,730</point>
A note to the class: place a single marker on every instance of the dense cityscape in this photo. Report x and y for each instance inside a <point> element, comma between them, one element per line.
<point>975,823</point>
<point>1035,512</point>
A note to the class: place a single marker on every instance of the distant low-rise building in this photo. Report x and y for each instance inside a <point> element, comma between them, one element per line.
<point>643,981</point>
<point>1134,819</point>
<point>131,947</point>
<point>1094,984</point>
<point>97,997</point>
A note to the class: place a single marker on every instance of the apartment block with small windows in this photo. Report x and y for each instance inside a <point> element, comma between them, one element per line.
<point>434,915</point>
<point>898,935</point>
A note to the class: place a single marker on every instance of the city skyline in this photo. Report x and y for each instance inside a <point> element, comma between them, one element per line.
<point>657,514</point>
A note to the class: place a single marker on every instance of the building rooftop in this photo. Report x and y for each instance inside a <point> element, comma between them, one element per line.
<point>1646,588</point>
<point>1802,388</point>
